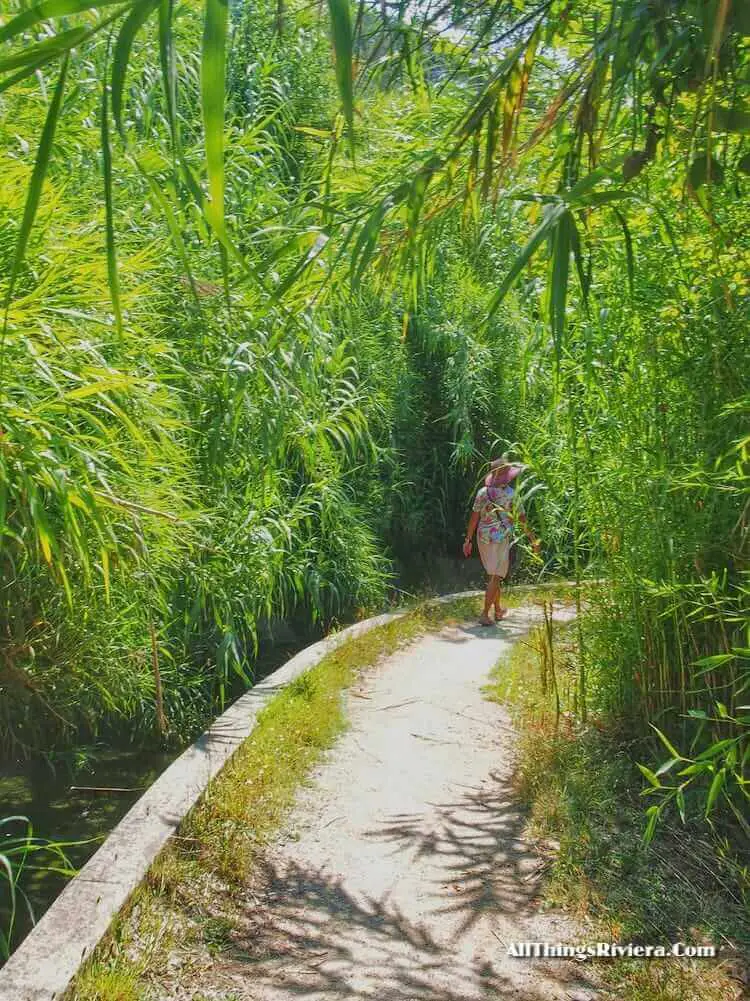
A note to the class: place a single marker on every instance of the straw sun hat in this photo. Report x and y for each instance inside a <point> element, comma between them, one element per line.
<point>503,471</point>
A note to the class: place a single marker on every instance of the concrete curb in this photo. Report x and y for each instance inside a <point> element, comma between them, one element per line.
<point>43,966</point>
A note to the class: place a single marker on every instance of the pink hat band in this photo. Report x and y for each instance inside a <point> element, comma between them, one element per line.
<point>503,475</point>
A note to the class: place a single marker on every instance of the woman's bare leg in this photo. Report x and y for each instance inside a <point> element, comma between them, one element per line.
<point>500,612</point>
<point>489,596</point>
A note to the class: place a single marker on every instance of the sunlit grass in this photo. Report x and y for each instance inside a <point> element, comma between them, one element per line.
<point>116,985</point>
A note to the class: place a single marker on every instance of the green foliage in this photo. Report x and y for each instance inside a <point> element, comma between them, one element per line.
<point>21,850</point>
<point>250,369</point>
<point>224,460</point>
<point>191,478</point>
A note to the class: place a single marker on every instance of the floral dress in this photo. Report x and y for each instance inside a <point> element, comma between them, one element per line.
<point>492,504</point>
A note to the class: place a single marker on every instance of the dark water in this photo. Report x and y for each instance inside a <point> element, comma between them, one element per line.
<point>43,795</point>
<point>40,790</point>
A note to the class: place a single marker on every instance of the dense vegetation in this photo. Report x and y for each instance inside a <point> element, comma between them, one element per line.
<point>266,395</point>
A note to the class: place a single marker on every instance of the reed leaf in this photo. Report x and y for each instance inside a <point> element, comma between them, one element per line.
<point>343,50</point>
<point>132,24</point>
<point>52,9</point>
<point>112,272</point>
<point>34,192</point>
<point>213,72</point>
<point>50,48</point>
<point>552,216</point>
<point>168,68</point>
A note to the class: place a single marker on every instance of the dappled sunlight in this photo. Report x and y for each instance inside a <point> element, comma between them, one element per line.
<point>305,935</point>
<point>485,865</point>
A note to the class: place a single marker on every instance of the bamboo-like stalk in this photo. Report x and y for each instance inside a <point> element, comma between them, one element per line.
<point>572,394</point>
<point>161,719</point>
<point>549,654</point>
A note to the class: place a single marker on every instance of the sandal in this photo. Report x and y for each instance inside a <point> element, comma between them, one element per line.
<point>500,614</point>
<point>485,620</point>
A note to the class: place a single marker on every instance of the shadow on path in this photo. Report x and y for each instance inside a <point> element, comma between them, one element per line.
<point>314,937</point>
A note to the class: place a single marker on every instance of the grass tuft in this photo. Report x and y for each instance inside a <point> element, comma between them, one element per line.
<point>116,985</point>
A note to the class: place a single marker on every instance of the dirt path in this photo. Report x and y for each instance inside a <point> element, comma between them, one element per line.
<point>403,873</point>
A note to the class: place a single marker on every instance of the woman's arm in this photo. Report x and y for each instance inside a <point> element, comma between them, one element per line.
<point>535,543</point>
<point>473,521</point>
<point>520,516</point>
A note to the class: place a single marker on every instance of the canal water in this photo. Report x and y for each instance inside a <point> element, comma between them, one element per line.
<point>43,794</point>
<point>76,797</point>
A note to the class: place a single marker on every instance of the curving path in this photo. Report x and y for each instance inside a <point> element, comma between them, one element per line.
<point>403,873</point>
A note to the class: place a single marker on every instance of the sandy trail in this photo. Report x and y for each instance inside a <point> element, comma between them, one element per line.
<point>403,873</point>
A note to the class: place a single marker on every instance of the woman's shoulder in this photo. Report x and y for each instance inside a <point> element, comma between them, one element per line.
<point>503,495</point>
<point>498,493</point>
<point>482,495</point>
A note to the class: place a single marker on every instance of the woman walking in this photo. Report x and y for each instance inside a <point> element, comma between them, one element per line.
<point>494,515</point>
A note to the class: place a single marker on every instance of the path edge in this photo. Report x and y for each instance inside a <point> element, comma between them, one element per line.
<point>44,965</point>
